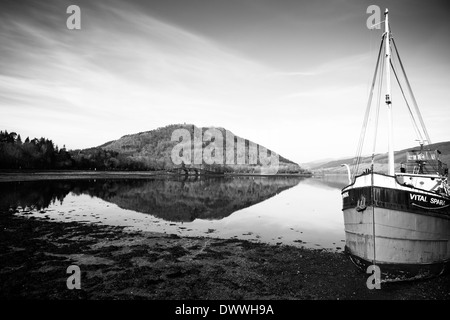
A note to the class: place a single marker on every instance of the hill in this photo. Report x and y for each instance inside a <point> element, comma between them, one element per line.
<point>152,150</point>
<point>380,160</point>
<point>215,149</point>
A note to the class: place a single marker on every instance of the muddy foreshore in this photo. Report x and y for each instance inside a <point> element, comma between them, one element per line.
<point>117,264</point>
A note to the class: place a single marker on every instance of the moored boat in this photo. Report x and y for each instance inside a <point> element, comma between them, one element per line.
<point>399,221</point>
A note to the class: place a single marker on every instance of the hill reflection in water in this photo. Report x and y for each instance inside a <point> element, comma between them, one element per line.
<point>178,199</point>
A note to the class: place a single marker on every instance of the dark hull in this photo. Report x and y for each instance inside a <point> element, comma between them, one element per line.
<point>412,200</point>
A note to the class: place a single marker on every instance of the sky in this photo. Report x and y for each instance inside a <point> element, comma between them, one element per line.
<point>291,75</point>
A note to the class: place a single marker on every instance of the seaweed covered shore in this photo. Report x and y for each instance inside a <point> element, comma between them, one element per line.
<point>117,264</point>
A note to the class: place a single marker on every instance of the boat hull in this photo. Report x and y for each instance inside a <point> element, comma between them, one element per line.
<point>412,231</point>
<point>393,272</point>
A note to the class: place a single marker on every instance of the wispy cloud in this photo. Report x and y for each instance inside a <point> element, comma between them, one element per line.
<point>129,69</point>
<point>126,64</point>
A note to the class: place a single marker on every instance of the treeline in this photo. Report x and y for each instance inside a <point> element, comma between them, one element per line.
<point>31,154</point>
<point>44,154</point>
<point>150,154</point>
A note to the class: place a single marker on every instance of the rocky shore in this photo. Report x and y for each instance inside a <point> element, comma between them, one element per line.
<point>117,264</point>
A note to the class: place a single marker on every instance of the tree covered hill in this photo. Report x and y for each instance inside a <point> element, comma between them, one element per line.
<point>153,149</point>
<point>150,150</point>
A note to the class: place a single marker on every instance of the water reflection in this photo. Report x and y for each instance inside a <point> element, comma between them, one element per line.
<point>33,195</point>
<point>176,200</point>
<point>333,181</point>
<point>278,210</point>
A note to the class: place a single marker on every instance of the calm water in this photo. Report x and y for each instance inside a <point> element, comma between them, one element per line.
<point>295,211</point>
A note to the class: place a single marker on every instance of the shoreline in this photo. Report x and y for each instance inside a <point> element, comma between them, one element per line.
<point>11,176</point>
<point>120,264</point>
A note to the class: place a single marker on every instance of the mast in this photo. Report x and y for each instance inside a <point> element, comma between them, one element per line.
<point>388,94</point>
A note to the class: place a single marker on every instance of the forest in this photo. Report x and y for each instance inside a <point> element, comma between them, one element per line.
<point>43,154</point>
<point>145,151</point>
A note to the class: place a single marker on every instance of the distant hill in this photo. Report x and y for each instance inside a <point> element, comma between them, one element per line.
<point>149,151</point>
<point>380,160</point>
<point>152,150</point>
<point>318,163</point>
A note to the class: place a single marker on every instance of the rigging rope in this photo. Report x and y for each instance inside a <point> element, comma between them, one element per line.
<point>380,85</point>
<point>366,116</point>
<point>416,127</point>
<point>372,195</point>
<point>420,134</point>
<point>412,96</point>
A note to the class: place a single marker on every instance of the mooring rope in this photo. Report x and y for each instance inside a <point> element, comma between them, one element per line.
<point>372,195</point>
